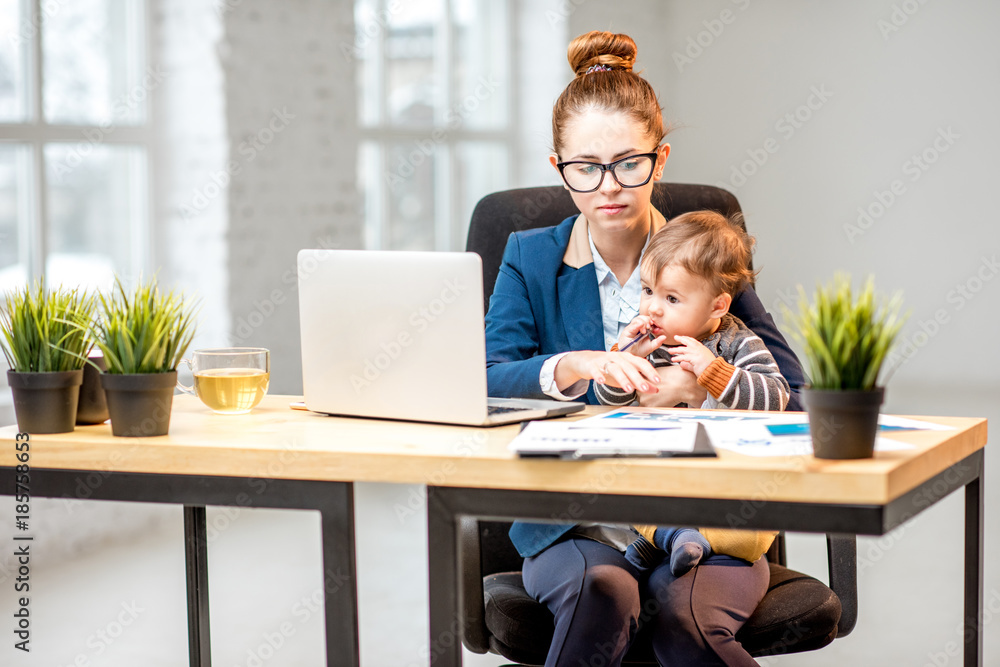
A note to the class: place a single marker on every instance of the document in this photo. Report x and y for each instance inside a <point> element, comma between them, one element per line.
<point>748,433</point>
<point>567,440</point>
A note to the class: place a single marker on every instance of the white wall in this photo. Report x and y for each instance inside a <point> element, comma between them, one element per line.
<point>885,86</point>
<point>883,99</point>
<point>290,119</point>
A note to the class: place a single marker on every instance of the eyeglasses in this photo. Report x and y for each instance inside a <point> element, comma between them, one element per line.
<point>629,172</point>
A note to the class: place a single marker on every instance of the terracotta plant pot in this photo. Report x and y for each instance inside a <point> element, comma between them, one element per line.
<point>93,407</point>
<point>139,404</point>
<point>843,423</point>
<point>45,402</point>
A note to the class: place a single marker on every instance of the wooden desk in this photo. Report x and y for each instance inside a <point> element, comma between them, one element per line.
<point>276,457</point>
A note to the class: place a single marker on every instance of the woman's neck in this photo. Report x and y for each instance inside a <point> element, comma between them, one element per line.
<point>621,249</point>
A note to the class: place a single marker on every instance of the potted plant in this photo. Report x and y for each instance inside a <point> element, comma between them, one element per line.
<point>143,336</point>
<point>845,337</point>
<point>45,342</point>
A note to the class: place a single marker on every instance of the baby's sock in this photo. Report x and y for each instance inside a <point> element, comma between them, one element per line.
<point>643,555</point>
<point>687,548</point>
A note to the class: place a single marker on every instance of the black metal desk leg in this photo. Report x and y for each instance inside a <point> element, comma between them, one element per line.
<point>340,588</point>
<point>972,630</point>
<point>196,558</point>
<point>442,564</point>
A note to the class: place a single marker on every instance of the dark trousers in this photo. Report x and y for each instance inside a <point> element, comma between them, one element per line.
<point>599,600</point>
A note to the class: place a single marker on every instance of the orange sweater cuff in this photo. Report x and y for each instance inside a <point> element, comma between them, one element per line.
<point>717,376</point>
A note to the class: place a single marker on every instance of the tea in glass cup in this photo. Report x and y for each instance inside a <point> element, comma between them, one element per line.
<point>230,380</point>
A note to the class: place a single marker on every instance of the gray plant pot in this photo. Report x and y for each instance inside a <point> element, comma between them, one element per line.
<point>139,404</point>
<point>843,423</point>
<point>45,402</point>
<point>93,407</point>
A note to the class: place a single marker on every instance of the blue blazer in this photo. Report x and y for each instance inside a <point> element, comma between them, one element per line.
<point>546,301</point>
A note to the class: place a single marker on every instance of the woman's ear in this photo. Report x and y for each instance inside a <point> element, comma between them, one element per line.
<point>661,160</point>
<point>721,304</point>
<point>554,160</point>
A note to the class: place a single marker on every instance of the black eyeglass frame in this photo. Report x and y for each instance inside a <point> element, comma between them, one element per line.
<point>609,167</point>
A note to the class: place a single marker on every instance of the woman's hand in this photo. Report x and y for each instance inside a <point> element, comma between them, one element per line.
<point>642,348</point>
<point>691,355</point>
<point>676,386</point>
<point>618,369</point>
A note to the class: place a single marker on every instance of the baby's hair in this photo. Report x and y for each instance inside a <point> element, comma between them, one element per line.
<point>707,244</point>
<point>605,81</point>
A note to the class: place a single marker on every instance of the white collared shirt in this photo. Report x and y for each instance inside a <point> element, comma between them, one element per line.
<point>619,306</point>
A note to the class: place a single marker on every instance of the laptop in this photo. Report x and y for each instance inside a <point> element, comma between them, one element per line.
<point>400,335</point>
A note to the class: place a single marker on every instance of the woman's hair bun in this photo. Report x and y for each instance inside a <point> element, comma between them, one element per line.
<point>612,50</point>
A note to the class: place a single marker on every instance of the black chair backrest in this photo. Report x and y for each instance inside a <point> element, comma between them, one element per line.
<point>496,551</point>
<point>497,215</point>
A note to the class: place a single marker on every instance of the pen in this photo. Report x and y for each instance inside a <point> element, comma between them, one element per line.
<point>634,341</point>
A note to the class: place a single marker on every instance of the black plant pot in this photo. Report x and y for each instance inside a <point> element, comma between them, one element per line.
<point>139,404</point>
<point>843,423</point>
<point>45,402</point>
<point>93,407</point>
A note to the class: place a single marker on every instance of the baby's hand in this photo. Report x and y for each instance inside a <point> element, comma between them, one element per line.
<point>691,355</point>
<point>644,346</point>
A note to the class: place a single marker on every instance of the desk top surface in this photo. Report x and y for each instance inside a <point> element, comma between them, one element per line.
<point>274,441</point>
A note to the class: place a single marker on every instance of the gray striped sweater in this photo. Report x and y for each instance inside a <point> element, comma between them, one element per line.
<point>755,383</point>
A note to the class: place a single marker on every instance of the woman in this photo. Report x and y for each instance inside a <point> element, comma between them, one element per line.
<point>561,299</point>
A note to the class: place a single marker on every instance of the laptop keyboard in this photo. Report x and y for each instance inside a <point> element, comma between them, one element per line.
<point>501,409</point>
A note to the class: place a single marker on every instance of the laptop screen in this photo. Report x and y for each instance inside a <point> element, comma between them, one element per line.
<point>393,334</point>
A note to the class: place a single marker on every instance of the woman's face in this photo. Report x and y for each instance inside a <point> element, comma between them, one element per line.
<point>604,137</point>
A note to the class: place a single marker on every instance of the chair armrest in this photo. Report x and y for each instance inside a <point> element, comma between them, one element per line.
<point>472,610</point>
<point>842,557</point>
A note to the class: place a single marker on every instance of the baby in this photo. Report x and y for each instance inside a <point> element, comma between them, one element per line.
<point>690,273</point>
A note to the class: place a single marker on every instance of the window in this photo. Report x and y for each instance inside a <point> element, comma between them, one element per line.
<point>74,132</point>
<point>435,111</point>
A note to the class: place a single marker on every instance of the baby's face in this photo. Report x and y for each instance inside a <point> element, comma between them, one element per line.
<point>679,303</point>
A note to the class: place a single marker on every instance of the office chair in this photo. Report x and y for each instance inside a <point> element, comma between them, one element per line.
<point>798,613</point>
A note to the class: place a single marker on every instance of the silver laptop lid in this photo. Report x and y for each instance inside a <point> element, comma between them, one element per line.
<point>393,334</point>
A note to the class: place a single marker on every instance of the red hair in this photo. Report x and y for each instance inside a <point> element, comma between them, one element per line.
<point>614,87</point>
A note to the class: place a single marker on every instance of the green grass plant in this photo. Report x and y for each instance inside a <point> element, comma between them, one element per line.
<point>845,337</point>
<point>143,331</point>
<point>45,331</point>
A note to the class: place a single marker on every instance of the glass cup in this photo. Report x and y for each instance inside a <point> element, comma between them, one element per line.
<point>229,380</point>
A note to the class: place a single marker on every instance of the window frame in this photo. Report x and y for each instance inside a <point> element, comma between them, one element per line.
<point>449,228</point>
<point>34,133</point>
